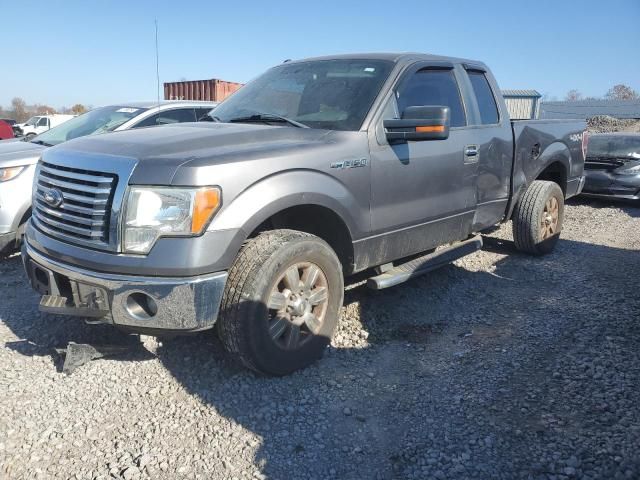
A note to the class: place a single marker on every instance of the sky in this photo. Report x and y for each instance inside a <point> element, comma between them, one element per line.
<point>102,52</point>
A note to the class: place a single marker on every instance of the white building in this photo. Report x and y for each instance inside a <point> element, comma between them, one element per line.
<point>522,104</point>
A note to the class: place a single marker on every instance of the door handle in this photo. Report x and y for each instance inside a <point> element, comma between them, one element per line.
<point>471,150</point>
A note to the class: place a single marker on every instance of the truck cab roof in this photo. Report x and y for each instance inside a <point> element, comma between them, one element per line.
<point>396,57</point>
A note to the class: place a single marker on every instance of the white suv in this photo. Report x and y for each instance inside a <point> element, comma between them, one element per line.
<point>18,158</point>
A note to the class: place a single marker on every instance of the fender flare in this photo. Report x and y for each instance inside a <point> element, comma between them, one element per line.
<point>292,188</point>
<point>556,152</point>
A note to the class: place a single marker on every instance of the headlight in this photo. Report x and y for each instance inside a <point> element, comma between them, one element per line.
<point>634,170</point>
<point>154,212</point>
<point>9,173</point>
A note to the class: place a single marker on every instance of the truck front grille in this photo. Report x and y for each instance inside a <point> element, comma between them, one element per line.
<point>73,204</point>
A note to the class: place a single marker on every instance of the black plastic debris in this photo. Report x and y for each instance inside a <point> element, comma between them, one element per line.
<point>77,354</point>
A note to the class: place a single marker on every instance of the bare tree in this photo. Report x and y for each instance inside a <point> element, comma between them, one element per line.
<point>45,110</point>
<point>78,109</point>
<point>19,110</point>
<point>622,92</point>
<point>573,96</point>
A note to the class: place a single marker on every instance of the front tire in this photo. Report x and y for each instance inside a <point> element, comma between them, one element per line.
<point>537,218</point>
<point>281,301</point>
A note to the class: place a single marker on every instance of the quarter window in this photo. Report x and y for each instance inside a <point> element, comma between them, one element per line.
<point>202,114</point>
<point>179,115</point>
<point>430,87</point>
<point>484,97</point>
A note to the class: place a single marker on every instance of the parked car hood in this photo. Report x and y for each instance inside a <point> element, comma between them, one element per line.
<point>15,152</point>
<point>159,152</point>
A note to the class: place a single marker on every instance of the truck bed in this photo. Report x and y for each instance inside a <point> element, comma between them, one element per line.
<point>536,142</point>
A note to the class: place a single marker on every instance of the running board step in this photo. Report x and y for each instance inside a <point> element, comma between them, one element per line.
<point>424,264</point>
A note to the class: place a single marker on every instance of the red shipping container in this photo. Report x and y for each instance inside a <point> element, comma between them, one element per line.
<point>213,90</point>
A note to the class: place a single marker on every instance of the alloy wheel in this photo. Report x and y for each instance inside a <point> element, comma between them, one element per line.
<point>550,215</point>
<point>298,305</point>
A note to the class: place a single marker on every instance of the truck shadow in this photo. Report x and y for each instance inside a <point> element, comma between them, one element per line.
<point>358,412</point>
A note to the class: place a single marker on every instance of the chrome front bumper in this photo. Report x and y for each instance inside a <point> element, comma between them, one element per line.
<point>135,302</point>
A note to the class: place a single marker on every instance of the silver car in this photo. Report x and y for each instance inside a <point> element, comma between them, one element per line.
<point>19,157</point>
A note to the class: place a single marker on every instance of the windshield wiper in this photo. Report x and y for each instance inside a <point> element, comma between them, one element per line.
<point>40,142</point>
<point>267,117</point>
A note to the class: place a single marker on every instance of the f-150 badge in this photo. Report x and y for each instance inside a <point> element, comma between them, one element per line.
<point>358,162</point>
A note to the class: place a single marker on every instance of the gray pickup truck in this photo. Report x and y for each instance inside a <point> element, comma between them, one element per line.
<point>316,170</point>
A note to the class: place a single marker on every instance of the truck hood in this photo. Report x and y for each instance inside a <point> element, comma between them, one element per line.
<point>15,152</point>
<point>159,152</point>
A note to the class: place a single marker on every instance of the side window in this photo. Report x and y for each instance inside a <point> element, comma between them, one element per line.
<point>43,122</point>
<point>484,96</point>
<point>202,114</point>
<point>433,87</point>
<point>147,122</point>
<point>179,115</point>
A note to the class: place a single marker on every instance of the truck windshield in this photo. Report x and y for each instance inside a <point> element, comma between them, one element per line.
<point>620,146</point>
<point>32,121</point>
<point>327,94</point>
<point>100,120</point>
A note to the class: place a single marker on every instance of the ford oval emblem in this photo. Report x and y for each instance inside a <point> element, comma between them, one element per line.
<point>53,197</point>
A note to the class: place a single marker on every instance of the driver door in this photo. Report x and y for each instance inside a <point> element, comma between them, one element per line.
<point>43,125</point>
<point>423,193</point>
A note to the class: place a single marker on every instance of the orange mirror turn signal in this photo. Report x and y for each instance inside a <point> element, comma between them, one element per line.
<point>430,128</point>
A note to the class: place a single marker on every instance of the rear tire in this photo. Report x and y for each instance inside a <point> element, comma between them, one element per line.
<point>537,218</point>
<point>281,301</point>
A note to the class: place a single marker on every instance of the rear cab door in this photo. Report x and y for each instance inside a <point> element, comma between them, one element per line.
<point>492,133</point>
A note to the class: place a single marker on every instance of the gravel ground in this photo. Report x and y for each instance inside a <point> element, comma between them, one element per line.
<point>500,366</point>
<point>607,124</point>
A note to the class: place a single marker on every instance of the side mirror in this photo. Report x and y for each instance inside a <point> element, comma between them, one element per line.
<point>419,123</point>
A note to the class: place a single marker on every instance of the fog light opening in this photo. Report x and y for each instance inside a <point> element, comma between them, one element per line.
<point>42,277</point>
<point>141,306</point>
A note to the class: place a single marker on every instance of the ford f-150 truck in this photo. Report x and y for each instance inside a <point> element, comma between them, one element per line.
<point>316,170</point>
